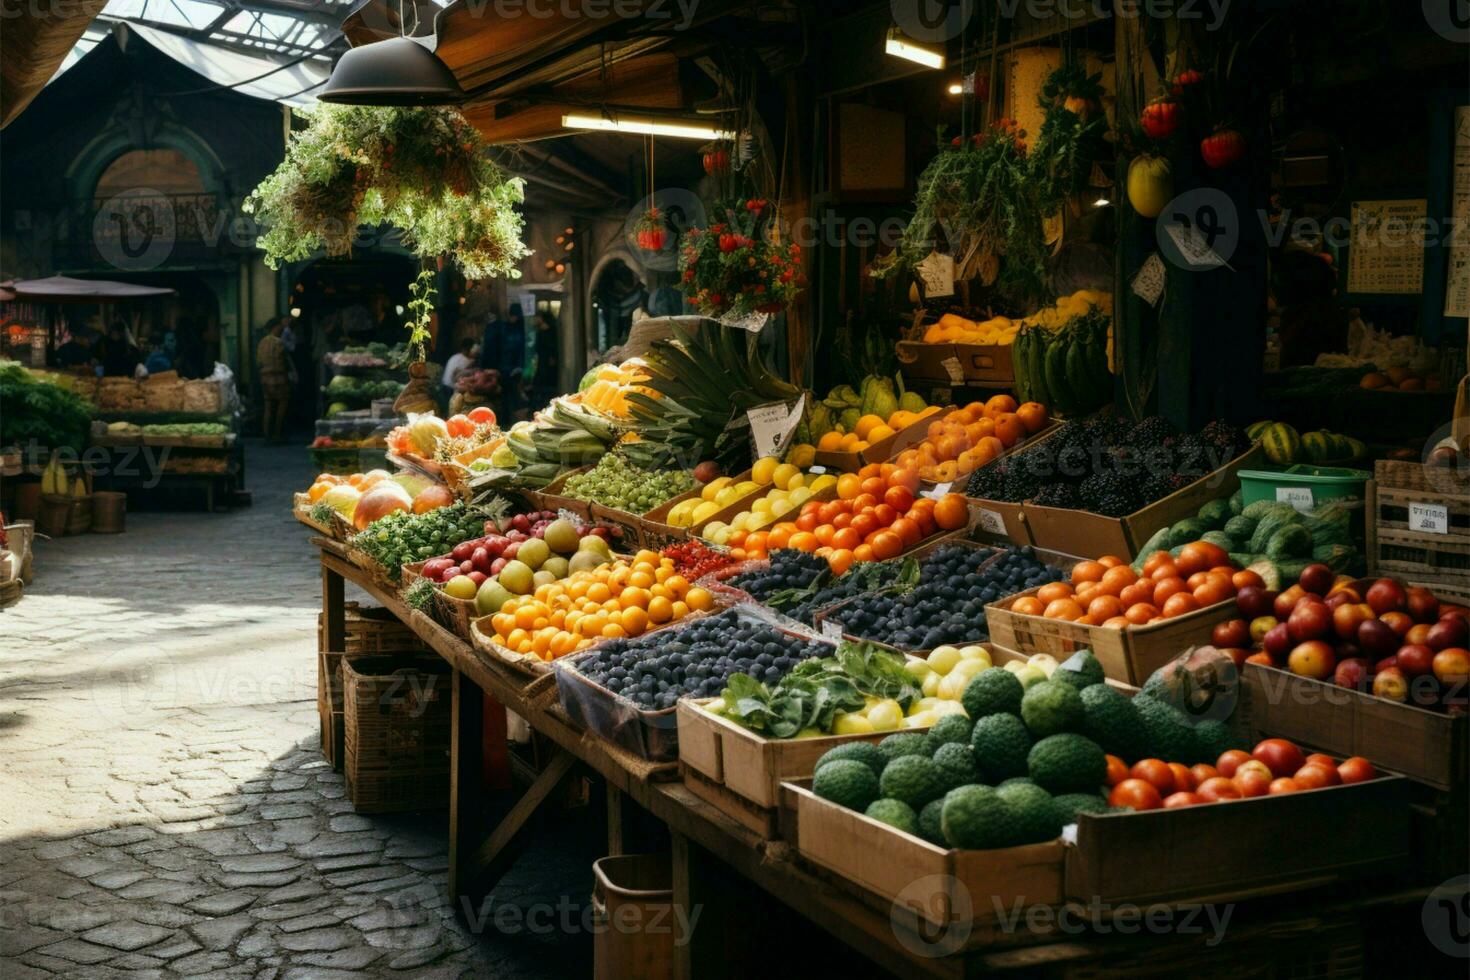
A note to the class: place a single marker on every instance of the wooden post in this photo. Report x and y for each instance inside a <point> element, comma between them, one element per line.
<point>334,617</point>
<point>466,789</point>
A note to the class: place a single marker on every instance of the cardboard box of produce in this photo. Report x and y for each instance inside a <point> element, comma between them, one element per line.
<point>1428,746</point>
<point>1079,531</point>
<point>936,884</point>
<point>884,449</point>
<point>957,363</point>
<point>1241,848</point>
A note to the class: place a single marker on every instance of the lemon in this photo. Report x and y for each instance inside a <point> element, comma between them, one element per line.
<point>1043,662</point>
<point>930,684</point>
<point>918,669</point>
<point>822,482</point>
<point>950,687</point>
<point>800,495</point>
<point>781,507</point>
<point>784,476</point>
<point>762,506</point>
<point>713,487</point>
<point>885,716</point>
<point>747,486</point>
<point>923,719</point>
<point>851,723</point>
<point>802,455</point>
<point>727,496</point>
<point>975,652</point>
<point>704,512</point>
<point>942,659</point>
<point>764,470</point>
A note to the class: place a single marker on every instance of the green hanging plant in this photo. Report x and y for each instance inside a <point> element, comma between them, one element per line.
<point>422,170</point>
<point>421,313</point>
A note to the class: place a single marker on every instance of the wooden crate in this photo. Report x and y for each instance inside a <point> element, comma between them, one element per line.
<point>746,765</point>
<point>884,449</point>
<point>630,524</point>
<point>1420,531</point>
<point>940,885</point>
<point>1431,747</point>
<point>990,365</point>
<point>656,520</point>
<point>1246,848</point>
<point>552,498</point>
<point>396,732</point>
<point>1080,532</point>
<point>1129,655</point>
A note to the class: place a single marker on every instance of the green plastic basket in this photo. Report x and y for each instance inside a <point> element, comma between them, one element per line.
<point>1304,486</point>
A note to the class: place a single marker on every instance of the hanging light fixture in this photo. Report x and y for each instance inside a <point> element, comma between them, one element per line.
<point>904,47</point>
<point>398,71</point>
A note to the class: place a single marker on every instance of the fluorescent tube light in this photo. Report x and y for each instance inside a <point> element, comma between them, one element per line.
<point>646,125</point>
<point>901,47</point>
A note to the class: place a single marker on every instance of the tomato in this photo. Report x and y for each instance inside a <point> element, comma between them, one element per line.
<point>1218,789</point>
<point>1157,773</point>
<point>899,498</point>
<point>846,539</point>
<point>874,485</point>
<point>1356,770</point>
<point>1184,780</point>
<point>1117,770</point>
<point>1136,794</point>
<point>482,415</point>
<point>808,522</point>
<point>1087,571</point>
<point>1166,588</point>
<point>1229,761</point>
<point>1283,785</point>
<point>1320,759</point>
<point>1252,783</point>
<point>887,545</point>
<point>1202,772</point>
<point>1316,777</point>
<point>864,525</point>
<point>864,502</point>
<point>827,513</point>
<point>1183,798</point>
<point>908,531</point>
<point>884,515</point>
<point>1282,757</point>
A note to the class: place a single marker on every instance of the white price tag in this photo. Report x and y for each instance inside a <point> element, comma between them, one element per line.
<point>818,470</point>
<point>940,489</point>
<point>954,369</point>
<point>936,272</point>
<point>991,522</point>
<point>1433,518</point>
<point>831,629</point>
<point>1194,247</point>
<point>1298,497</point>
<point>773,425</point>
<point>1149,282</point>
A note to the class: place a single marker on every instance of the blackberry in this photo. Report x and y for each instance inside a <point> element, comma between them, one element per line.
<point>1113,495</point>
<point>1191,456</point>
<point>1019,484</point>
<point>1058,495</point>
<point>988,482</point>
<point>1151,432</point>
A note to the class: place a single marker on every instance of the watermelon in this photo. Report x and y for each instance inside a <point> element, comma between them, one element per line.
<point>1237,502</point>
<point>1290,541</point>
<point>1282,443</point>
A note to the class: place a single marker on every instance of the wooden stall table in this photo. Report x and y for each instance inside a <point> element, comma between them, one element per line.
<point>703,836</point>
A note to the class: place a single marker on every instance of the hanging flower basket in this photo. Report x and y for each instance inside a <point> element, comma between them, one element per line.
<point>650,233</point>
<point>738,267</point>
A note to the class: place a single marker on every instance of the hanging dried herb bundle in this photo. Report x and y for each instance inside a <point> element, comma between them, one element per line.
<point>422,170</point>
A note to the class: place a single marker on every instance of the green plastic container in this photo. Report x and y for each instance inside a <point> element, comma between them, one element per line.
<point>1304,486</point>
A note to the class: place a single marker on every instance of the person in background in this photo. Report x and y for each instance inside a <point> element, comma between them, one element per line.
<point>77,351</point>
<point>459,362</point>
<point>272,360</point>
<point>158,360</point>
<point>545,385</point>
<point>288,335</point>
<point>191,357</point>
<point>490,342</point>
<point>513,364</point>
<point>119,356</point>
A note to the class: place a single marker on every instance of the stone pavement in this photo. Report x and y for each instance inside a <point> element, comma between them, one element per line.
<point>164,807</point>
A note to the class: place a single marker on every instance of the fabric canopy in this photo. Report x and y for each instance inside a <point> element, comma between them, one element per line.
<point>63,289</point>
<point>270,77</point>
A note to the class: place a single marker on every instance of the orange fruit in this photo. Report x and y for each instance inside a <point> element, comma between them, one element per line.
<point>1104,607</point>
<point>951,512</point>
<point>660,610</point>
<point>1052,591</point>
<point>1033,416</point>
<point>1068,609</point>
<point>999,404</point>
<point>1008,428</point>
<point>804,541</point>
<point>699,600</point>
<point>849,486</point>
<point>840,560</point>
<point>1178,604</point>
<point>634,621</point>
<point>633,598</point>
<point>1140,613</point>
<point>1028,605</point>
<point>1115,580</point>
<point>1087,571</point>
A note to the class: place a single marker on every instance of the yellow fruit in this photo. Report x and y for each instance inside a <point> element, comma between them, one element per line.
<point>918,669</point>
<point>923,719</point>
<point>1150,185</point>
<point>943,659</point>
<point>823,482</point>
<point>802,455</point>
<point>885,716</point>
<point>830,442</point>
<point>878,433</point>
<point>704,511</point>
<point>763,469</point>
<point>930,685</point>
<point>713,487</point>
<point>851,723</point>
<point>785,476</point>
<point>867,424</point>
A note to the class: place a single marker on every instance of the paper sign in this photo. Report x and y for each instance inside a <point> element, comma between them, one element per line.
<point>940,489</point>
<point>1194,247</point>
<point>936,272</point>
<point>1386,247</point>
<point>954,369</point>
<point>1298,497</point>
<point>1434,518</point>
<point>773,425</point>
<point>831,629</point>
<point>817,470</point>
<point>754,322</point>
<point>1149,282</point>
<point>991,521</point>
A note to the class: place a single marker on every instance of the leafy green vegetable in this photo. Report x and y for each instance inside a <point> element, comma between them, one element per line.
<point>32,410</point>
<point>816,690</point>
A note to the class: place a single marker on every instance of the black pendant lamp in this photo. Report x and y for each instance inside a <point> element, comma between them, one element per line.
<point>398,71</point>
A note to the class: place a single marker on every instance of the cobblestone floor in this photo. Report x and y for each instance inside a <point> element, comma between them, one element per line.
<point>164,808</point>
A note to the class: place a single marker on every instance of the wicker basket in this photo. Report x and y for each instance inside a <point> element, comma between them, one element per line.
<point>524,663</point>
<point>372,630</point>
<point>202,397</point>
<point>396,731</point>
<point>164,396</point>
<point>455,614</point>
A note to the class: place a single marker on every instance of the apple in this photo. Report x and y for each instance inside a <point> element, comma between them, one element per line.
<point>1452,665</point>
<point>462,551</point>
<point>1316,579</point>
<point>1422,604</point>
<point>1385,663</point>
<point>1286,601</point>
<point>478,578</point>
<point>1399,622</point>
<point>1312,658</point>
<point>1386,595</point>
<point>1377,638</point>
<point>1347,617</point>
<point>481,559</point>
<point>495,545</point>
<point>1237,655</point>
<point>521,522</point>
<point>466,566</point>
<point>1356,769</point>
<point>1260,626</point>
<point>1345,586</point>
<point>1351,673</point>
<point>1338,599</point>
<point>498,564</point>
<point>1254,601</point>
<point>1277,641</point>
<point>510,551</point>
<point>1414,660</point>
<point>1418,634</point>
<point>1310,620</point>
<point>1451,609</point>
<point>1231,633</point>
<point>1450,631</point>
<point>1390,683</point>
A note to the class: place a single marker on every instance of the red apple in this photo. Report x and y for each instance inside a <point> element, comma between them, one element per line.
<point>1277,641</point>
<point>1351,673</point>
<point>1418,633</point>
<point>1286,601</point>
<point>1316,776</point>
<point>1399,622</point>
<point>462,551</point>
<point>1422,604</point>
<point>1386,595</point>
<point>1253,601</point>
<point>1377,638</point>
<point>498,564</point>
<point>1390,683</point>
<point>1451,609</point>
<point>478,578</point>
<point>1347,617</point>
<point>510,551</point>
<point>1414,660</point>
<point>1452,665</point>
<point>1310,620</point>
<point>1260,626</point>
<point>1280,756</point>
<point>1313,658</point>
<point>1231,633</point>
<point>1450,631</point>
<point>1337,599</point>
<point>1316,579</point>
<point>466,566</point>
<point>1345,586</point>
<point>481,559</point>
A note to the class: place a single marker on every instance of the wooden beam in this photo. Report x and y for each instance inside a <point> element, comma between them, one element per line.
<point>495,856</point>
<point>467,787</point>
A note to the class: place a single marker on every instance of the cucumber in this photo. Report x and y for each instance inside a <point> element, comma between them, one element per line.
<point>1078,379</point>
<point>1056,374</point>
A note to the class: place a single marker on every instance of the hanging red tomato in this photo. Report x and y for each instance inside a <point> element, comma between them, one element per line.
<point>1222,148</point>
<point>717,162</point>
<point>1185,79</point>
<point>1160,119</point>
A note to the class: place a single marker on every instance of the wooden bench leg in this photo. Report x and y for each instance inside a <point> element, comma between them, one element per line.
<point>334,620</point>
<point>466,787</point>
<point>703,912</point>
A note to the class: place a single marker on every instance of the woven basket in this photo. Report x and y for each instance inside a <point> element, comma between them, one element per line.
<point>79,518</point>
<point>396,732</point>
<point>455,614</point>
<point>372,630</point>
<point>524,663</point>
<point>202,397</point>
<point>164,396</point>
